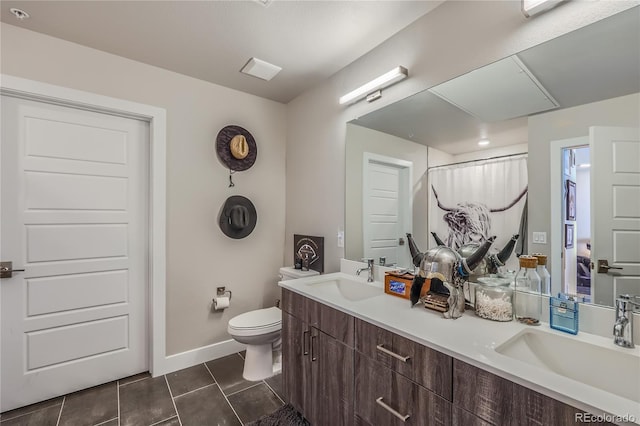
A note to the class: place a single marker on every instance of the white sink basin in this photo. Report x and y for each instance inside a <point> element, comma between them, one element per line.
<point>343,288</point>
<point>604,366</point>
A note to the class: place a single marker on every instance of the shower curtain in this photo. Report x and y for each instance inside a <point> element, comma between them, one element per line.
<point>472,201</point>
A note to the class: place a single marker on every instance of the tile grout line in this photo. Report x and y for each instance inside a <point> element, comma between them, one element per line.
<point>134,381</point>
<point>247,388</point>
<point>105,422</point>
<point>164,420</point>
<point>274,392</point>
<point>4,419</point>
<point>225,396</point>
<point>195,390</point>
<point>61,407</point>
<point>118,394</point>
<point>175,407</point>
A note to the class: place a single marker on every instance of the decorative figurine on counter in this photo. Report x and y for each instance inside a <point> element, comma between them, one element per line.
<point>491,263</point>
<point>446,265</point>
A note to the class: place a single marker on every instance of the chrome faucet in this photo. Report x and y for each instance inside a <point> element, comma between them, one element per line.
<point>368,268</point>
<point>623,327</point>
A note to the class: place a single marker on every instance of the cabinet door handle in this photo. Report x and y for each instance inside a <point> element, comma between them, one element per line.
<point>313,356</point>
<point>305,350</point>
<point>402,417</point>
<point>384,350</point>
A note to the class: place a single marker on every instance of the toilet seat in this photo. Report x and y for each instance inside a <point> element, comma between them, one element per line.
<point>260,321</point>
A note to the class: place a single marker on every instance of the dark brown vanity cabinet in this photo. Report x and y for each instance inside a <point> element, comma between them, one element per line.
<point>482,394</point>
<point>398,381</point>
<point>385,397</point>
<point>317,356</point>
<point>482,398</point>
<point>338,370</point>
<point>428,368</point>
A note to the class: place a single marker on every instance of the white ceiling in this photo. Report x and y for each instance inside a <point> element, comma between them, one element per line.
<point>596,62</point>
<point>212,40</point>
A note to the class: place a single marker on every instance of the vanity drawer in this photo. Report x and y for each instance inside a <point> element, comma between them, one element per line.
<point>330,321</point>
<point>481,393</point>
<point>294,304</point>
<point>464,418</point>
<point>425,366</point>
<point>384,397</point>
<point>534,408</point>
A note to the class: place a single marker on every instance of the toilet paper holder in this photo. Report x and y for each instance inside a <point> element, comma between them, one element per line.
<point>222,291</point>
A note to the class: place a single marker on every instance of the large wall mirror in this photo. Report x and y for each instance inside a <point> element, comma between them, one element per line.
<point>402,158</point>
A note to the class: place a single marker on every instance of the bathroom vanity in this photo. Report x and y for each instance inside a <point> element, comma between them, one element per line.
<point>354,355</point>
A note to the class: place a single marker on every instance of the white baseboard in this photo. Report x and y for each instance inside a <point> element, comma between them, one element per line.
<point>199,355</point>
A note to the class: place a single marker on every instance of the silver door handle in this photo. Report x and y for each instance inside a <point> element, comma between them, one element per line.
<point>384,350</point>
<point>313,353</point>
<point>5,269</point>
<point>403,417</point>
<point>603,266</point>
<point>305,351</point>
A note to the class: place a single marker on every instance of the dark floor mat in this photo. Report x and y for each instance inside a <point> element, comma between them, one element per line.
<point>283,416</point>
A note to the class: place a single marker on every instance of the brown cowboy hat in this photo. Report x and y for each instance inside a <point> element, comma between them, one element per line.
<point>238,217</point>
<point>236,148</point>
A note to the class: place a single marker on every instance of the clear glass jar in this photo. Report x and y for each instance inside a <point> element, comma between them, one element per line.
<point>528,297</point>
<point>494,302</point>
<point>542,271</point>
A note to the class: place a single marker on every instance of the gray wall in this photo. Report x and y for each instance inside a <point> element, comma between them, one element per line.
<point>199,256</point>
<point>455,38</point>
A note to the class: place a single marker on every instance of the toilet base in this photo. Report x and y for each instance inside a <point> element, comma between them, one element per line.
<point>259,362</point>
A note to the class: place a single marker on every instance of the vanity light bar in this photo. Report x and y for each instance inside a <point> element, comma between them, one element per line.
<point>385,80</point>
<point>533,7</point>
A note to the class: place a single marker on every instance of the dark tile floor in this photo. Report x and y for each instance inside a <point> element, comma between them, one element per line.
<point>213,393</point>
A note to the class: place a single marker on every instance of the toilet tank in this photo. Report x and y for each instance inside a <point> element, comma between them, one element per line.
<point>289,273</point>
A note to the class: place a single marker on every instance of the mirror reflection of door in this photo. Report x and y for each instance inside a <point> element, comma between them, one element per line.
<point>615,190</point>
<point>386,208</point>
<point>606,226</point>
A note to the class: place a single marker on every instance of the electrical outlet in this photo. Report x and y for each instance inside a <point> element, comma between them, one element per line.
<point>340,238</point>
<point>540,237</point>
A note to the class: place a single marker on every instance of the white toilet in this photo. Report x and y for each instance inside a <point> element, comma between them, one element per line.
<point>260,330</point>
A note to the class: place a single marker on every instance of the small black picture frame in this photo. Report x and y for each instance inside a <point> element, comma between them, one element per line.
<point>312,247</point>
<point>569,235</point>
<point>571,200</point>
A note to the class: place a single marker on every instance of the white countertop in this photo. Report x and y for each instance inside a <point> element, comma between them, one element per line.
<point>473,340</point>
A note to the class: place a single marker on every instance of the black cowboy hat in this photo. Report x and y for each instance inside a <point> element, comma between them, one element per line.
<point>223,148</point>
<point>238,217</point>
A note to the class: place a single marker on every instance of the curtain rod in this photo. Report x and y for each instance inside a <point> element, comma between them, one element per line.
<point>475,161</point>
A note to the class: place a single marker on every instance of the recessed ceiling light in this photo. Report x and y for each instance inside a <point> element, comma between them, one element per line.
<point>261,69</point>
<point>19,13</point>
<point>484,142</point>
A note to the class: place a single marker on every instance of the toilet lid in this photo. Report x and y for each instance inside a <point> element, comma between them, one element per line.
<point>260,318</point>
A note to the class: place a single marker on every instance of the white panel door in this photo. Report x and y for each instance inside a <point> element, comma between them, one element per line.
<point>386,205</point>
<point>615,217</point>
<point>74,216</point>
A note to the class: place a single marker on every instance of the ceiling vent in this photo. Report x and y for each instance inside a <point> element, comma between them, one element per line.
<point>499,91</point>
<point>261,69</point>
